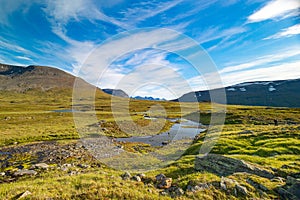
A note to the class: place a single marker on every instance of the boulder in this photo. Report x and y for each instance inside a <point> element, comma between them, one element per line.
<point>241,189</point>
<point>291,180</point>
<point>24,172</point>
<point>165,183</point>
<point>245,132</point>
<point>175,191</point>
<point>136,178</point>
<point>40,166</point>
<point>83,166</point>
<point>257,185</point>
<point>126,176</point>
<point>224,166</point>
<point>226,183</point>
<point>142,176</point>
<point>194,187</point>
<point>23,195</point>
<point>160,177</point>
<point>278,179</point>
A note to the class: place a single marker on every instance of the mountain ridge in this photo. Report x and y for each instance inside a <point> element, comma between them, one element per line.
<point>280,93</point>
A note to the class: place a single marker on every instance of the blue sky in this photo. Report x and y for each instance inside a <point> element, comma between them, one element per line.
<point>108,43</point>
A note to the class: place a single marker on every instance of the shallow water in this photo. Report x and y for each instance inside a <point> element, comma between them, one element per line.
<point>66,111</point>
<point>184,130</point>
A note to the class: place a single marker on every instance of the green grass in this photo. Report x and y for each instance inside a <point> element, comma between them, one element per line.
<point>28,117</point>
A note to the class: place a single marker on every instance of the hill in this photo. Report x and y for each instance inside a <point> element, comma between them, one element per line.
<point>283,93</point>
<point>20,78</point>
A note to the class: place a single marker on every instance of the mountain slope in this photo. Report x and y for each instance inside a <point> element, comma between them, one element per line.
<point>284,93</point>
<point>33,77</point>
<point>21,79</point>
<point>116,92</point>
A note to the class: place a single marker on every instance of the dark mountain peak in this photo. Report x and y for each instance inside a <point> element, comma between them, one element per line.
<point>11,70</point>
<point>116,92</point>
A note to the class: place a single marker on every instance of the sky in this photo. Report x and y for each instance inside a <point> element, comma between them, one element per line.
<point>155,48</point>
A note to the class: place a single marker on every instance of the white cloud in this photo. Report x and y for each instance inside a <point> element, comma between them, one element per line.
<point>145,10</point>
<point>7,8</point>
<point>214,33</point>
<point>276,9</point>
<point>277,72</point>
<point>287,32</point>
<point>263,60</point>
<point>23,58</point>
<point>103,56</point>
<point>151,65</point>
<point>62,11</point>
<point>154,80</point>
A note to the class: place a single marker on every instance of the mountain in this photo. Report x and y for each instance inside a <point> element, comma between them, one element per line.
<point>148,98</point>
<point>22,79</point>
<point>283,93</point>
<point>116,92</point>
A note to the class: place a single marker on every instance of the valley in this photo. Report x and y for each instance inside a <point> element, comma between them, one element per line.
<point>43,156</point>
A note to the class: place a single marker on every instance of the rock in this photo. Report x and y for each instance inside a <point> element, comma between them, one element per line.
<point>142,176</point>
<point>295,190</point>
<point>165,142</point>
<point>241,189</point>
<point>72,173</point>
<point>278,179</point>
<point>197,187</point>
<point>23,195</point>
<point>223,186</point>
<point>224,166</point>
<point>2,173</point>
<point>66,166</point>
<point>160,177</point>
<point>291,180</point>
<point>83,166</point>
<point>226,183</point>
<point>165,183</point>
<point>262,194</point>
<point>136,178</point>
<point>284,194</point>
<point>40,166</point>
<point>245,132</point>
<point>175,191</point>
<point>163,193</point>
<point>23,172</point>
<point>257,185</point>
<point>126,176</point>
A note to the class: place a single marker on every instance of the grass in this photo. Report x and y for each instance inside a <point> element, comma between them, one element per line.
<point>249,133</point>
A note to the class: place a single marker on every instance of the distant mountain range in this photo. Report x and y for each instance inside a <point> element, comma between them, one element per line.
<point>284,93</point>
<point>121,93</point>
<point>148,98</point>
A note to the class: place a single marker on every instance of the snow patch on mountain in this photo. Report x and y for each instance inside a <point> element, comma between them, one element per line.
<point>271,88</point>
<point>243,89</point>
<point>254,83</point>
<point>231,89</point>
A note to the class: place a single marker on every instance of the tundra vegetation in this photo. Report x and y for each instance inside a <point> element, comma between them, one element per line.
<point>41,155</point>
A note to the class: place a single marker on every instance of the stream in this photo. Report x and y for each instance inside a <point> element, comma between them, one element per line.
<point>186,129</point>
